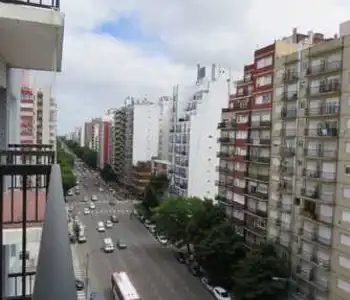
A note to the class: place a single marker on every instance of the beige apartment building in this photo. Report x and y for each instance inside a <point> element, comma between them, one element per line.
<point>309,188</point>
<point>118,154</point>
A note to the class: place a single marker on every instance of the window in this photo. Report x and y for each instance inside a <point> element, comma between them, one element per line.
<point>264,62</point>
<point>346,192</point>
<point>344,262</point>
<point>346,216</point>
<point>344,285</point>
<point>347,169</point>
<point>264,80</point>
<point>347,147</point>
<point>345,239</point>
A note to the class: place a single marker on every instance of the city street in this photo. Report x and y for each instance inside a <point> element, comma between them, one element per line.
<point>153,269</point>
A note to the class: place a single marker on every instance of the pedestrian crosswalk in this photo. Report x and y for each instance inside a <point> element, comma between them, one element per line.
<point>79,273</point>
<point>109,211</point>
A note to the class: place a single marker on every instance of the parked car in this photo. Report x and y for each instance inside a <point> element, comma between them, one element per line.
<point>220,293</point>
<point>205,282</point>
<point>195,269</point>
<point>181,257</point>
<point>79,284</point>
<point>86,211</point>
<point>162,239</point>
<point>109,224</point>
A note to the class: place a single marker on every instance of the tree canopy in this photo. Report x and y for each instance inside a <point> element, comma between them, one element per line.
<point>254,275</point>
<point>108,174</point>
<point>155,191</point>
<point>66,161</point>
<point>84,153</point>
<point>220,252</point>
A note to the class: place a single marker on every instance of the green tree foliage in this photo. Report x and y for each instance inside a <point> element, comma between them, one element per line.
<point>204,219</point>
<point>155,191</point>
<point>172,217</point>
<point>108,174</point>
<point>66,162</point>
<point>219,252</point>
<point>84,153</point>
<point>253,275</point>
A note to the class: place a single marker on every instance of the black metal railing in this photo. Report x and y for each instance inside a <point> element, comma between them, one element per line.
<point>48,4</point>
<point>32,195</point>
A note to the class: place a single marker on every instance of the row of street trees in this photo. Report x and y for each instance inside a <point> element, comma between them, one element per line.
<point>84,153</point>
<point>203,229</point>
<point>66,162</point>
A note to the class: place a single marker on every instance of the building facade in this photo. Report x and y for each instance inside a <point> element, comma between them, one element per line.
<point>309,188</point>
<point>141,134</point>
<point>119,141</point>
<point>104,142</point>
<point>166,107</point>
<point>193,139</point>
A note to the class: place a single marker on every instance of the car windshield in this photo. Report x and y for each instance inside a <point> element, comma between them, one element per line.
<point>224,294</point>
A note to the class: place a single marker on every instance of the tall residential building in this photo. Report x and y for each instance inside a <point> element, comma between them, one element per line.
<point>111,113</point>
<point>193,140</point>
<point>165,122</point>
<point>46,117</point>
<point>141,134</point>
<point>88,134</point>
<point>245,142</point>
<point>95,134</point>
<point>103,157</point>
<point>310,166</point>
<point>27,131</point>
<point>119,141</point>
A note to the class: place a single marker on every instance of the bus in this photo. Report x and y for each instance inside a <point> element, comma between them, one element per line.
<point>122,288</point>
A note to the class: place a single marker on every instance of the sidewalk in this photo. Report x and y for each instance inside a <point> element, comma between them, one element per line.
<point>78,271</point>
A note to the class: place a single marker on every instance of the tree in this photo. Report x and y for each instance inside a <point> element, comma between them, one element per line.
<point>254,275</point>
<point>68,180</point>
<point>155,191</point>
<point>172,217</point>
<point>219,253</point>
<point>204,219</point>
<point>108,174</point>
<point>66,161</point>
<point>84,153</point>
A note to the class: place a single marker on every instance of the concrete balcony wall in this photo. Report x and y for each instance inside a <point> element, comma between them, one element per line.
<point>31,37</point>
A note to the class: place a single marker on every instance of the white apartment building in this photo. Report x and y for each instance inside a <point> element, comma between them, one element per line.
<point>141,132</point>
<point>193,140</point>
<point>104,134</point>
<point>95,141</point>
<point>166,106</point>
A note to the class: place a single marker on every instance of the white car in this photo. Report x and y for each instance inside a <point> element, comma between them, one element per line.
<point>109,224</point>
<point>86,211</point>
<point>220,293</point>
<point>152,228</point>
<point>162,239</point>
<point>101,189</point>
<point>148,223</point>
<point>70,193</point>
<point>205,282</point>
<point>101,227</point>
<point>92,206</point>
<point>93,198</point>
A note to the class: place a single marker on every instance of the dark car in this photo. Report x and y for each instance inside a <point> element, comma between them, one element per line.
<point>112,202</point>
<point>121,245</point>
<point>181,257</point>
<point>114,219</point>
<point>195,269</point>
<point>79,284</point>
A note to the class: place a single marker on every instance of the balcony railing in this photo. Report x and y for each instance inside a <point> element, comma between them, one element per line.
<point>32,194</point>
<point>36,3</point>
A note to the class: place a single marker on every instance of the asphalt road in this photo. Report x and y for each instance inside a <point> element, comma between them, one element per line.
<point>153,269</point>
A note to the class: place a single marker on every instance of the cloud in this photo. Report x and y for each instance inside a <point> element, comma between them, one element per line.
<point>100,70</point>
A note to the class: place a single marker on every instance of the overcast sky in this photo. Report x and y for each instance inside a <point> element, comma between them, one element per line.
<point>113,49</point>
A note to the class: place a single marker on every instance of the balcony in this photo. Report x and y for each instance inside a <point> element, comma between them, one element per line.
<point>261,124</point>
<point>53,275</point>
<point>253,193</point>
<point>36,26</point>
<point>228,125</point>
<point>289,113</point>
<point>319,175</point>
<point>328,132</point>
<point>257,177</point>
<point>258,159</point>
<point>223,170</point>
<point>260,141</point>
<point>324,89</point>
<point>313,194</point>
<point>290,77</point>
<point>324,67</point>
<point>222,154</point>
<point>290,96</point>
<point>321,153</point>
<point>324,110</point>
<point>224,139</point>
<point>287,151</point>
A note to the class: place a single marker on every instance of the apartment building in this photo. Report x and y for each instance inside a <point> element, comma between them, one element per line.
<point>95,134</point>
<point>104,134</point>
<point>46,117</point>
<point>88,134</point>
<point>310,189</point>
<point>245,142</point>
<point>119,141</point>
<point>193,136</point>
<point>166,106</point>
<point>141,134</point>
